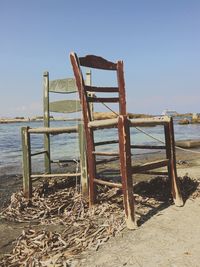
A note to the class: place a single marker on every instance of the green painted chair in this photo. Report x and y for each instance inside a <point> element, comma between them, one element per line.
<point>64,87</point>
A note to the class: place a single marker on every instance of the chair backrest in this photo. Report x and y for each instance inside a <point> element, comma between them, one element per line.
<point>100,63</point>
<point>62,86</point>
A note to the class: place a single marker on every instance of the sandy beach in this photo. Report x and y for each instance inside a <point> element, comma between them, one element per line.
<point>81,82</point>
<point>170,226</point>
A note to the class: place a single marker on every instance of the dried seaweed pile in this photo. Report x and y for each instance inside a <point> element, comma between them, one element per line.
<point>160,190</point>
<point>43,247</point>
<point>82,228</point>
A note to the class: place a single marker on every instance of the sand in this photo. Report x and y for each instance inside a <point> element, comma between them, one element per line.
<point>168,238</point>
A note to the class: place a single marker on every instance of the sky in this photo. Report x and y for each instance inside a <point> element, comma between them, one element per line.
<point>158,40</point>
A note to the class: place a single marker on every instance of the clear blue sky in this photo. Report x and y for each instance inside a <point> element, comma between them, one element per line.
<point>159,41</point>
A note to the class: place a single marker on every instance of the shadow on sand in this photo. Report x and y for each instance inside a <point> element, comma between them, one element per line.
<point>154,195</point>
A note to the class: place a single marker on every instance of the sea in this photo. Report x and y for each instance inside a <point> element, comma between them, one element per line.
<point>65,146</point>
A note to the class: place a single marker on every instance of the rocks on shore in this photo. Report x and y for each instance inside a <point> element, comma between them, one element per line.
<point>184,121</point>
<point>22,119</point>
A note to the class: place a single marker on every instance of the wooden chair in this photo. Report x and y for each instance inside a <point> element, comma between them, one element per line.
<point>62,86</point>
<point>123,123</point>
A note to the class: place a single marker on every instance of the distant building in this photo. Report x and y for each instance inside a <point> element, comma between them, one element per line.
<point>168,112</point>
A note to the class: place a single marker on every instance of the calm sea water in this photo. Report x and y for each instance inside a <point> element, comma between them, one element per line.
<point>66,146</point>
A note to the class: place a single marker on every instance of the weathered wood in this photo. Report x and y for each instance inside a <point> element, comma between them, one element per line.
<point>104,115</point>
<point>110,184</point>
<point>89,147</point>
<point>49,175</point>
<point>88,82</point>
<point>88,79</point>
<point>150,165</point>
<point>168,149</point>
<point>38,153</point>
<point>27,183</point>
<point>103,161</point>
<point>126,173</point>
<point>102,124</point>
<point>154,173</point>
<point>90,126</point>
<point>123,124</point>
<point>58,130</point>
<point>64,161</point>
<point>96,62</point>
<point>176,193</point>
<point>105,153</point>
<point>149,121</point>
<point>99,89</point>
<point>63,86</point>
<point>65,106</point>
<point>91,159</point>
<point>121,85</point>
<point>109,142</point>
<point>103,99</point>
<point>46,115</point>
<point>83,160</point>
<point>147,147</point>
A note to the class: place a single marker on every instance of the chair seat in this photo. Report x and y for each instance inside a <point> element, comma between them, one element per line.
<point>53,130</point>
<point>110,123</point>
<point>150,121</point>
<point>100,124</point>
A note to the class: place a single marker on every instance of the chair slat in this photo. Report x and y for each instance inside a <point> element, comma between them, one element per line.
<point>104,161</point>
<point>63,86</point>
<point>106,142</point>
<point>147,147</point>
<point>58,161</point>
<point>106,153</point>
<point>97,63</point>
<point>102,182</point>
<point>65,106</point>
<point>103,99</point>
<point>154,173</point>
<point>38,153</point>
<point>102,89</point>
<point>49,175</point>
<point>150,166</point>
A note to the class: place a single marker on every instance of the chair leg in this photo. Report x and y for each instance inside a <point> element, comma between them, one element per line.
<point>26,157</point>
<point>91,168</point>
<point>47,155</point>
<point>171,155</point>
<point>83,160</point>
<point>126,171</point>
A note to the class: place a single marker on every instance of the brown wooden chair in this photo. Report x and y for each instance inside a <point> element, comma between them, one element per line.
<point>123,123</point>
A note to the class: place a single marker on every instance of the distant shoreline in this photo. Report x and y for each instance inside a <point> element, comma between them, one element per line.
<point>16,120</point>
<point>97,115</point>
